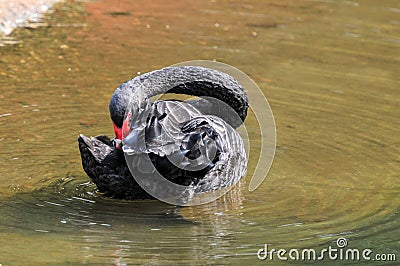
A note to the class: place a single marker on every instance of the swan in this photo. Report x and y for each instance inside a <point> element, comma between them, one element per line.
<point>192,143</point>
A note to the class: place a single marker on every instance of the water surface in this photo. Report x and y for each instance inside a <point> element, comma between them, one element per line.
<point>328,68</point>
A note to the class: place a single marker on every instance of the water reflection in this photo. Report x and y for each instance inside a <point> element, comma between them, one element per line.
<point>69,213</point>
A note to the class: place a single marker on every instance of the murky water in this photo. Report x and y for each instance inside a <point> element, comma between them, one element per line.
<point>328,68</point>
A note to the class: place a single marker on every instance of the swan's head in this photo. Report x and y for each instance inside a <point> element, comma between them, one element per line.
<point>118,105</point>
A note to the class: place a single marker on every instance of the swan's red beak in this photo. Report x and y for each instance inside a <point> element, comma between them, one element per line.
<point>117,131</point>
<point>124,130</point>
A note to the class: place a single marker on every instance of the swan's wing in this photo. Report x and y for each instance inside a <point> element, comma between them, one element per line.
<point>188,143</point>
<point>163,133</point>
<point>231,162</point>
<point>156,128</point>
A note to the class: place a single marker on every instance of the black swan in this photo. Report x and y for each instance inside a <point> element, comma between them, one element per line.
<point>172,134</point>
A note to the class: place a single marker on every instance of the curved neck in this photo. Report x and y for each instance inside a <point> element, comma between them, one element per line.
<point>191,80</point>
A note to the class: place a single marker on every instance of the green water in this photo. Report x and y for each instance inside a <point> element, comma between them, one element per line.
<point>329,70</point>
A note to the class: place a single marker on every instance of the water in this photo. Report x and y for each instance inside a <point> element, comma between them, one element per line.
<point>328,68</point>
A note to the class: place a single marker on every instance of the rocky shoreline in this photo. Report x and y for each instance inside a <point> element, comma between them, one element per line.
<point>16,13</point>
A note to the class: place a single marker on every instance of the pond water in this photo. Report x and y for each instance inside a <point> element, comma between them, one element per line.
<point>329,69</point>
